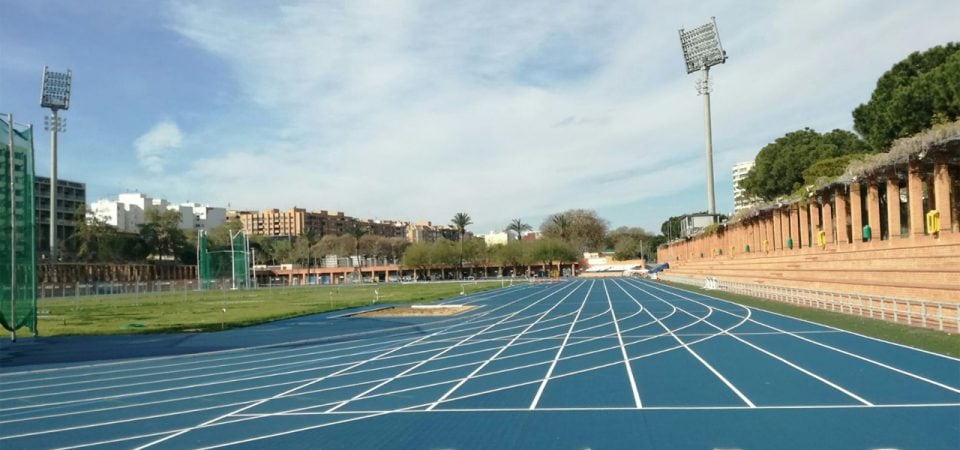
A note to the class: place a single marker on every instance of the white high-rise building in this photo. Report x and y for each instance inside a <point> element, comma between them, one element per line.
<point>740,198</point>
<point>497,238</point>
<point>129,211</point>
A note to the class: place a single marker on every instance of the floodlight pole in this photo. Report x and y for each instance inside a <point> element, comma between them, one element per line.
<point>13,235</point>
<point>708,136</point>
<point>54,94</point>
<point>54,129</point>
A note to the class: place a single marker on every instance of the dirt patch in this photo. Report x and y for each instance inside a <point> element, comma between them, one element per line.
<point>416,311</point>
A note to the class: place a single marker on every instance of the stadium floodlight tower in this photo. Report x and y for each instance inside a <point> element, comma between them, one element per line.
<point>702,50</point>
<point>55,95</point>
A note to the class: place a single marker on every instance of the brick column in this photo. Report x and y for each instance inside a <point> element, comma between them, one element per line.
<point>771,232</point>
<point>793,232</point>
<point>941,187</point>
<point>785,227</point>
<point>856,214</point>
<point>873,208</point>
<point>777,242</point>
<point>757,244</point>
<point>840,215</point>
<point>893,205</point>
<point>915,199</point>
<point>803,210</point>
<point>827,220</point>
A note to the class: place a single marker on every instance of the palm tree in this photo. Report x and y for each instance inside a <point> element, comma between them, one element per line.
<point>357,231</point>
<point>562,223</point>
<point>461,220</point>
<point>517,226</point>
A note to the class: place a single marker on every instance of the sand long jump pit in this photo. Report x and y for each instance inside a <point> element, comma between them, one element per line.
<point>416,311</point>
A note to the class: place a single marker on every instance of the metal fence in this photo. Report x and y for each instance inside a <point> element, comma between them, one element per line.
<point>51,290</point>
<point>921,313</point>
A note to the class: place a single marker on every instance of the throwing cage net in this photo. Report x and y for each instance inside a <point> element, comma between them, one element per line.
<point>224,267</point>
<point>18,276</point>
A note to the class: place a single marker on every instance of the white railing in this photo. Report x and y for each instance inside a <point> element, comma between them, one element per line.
<point>927,314</point>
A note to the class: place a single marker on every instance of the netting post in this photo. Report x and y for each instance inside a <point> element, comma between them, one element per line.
<point>13,235</point>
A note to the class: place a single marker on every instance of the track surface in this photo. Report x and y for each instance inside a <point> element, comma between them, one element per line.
<point>612,363</point>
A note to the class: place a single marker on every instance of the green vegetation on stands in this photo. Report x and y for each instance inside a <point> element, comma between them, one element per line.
<point>217,310</point>
<point>922,338</point>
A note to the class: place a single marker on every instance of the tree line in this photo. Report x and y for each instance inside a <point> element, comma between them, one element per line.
<point>564,237</point>
<point>919,92</point>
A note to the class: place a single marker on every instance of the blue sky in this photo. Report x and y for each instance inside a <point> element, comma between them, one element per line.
<point>416,110</point>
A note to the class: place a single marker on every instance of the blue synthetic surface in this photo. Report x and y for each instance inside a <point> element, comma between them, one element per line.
<point>631,364</point>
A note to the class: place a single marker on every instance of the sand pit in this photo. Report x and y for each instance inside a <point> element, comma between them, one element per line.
<point>416,311</point>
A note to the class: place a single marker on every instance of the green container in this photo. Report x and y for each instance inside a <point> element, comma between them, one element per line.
<point>747,248</point>
<point>866,233</point>
<point>790,243</point>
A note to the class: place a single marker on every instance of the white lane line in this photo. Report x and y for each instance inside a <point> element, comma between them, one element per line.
<point>553,364</point>
<point>446,349</point>
<point>278,347</point>
<point>379,348</point>
<point>836,349</point>
<point>709,367</point>
<point>562,409</point>
<point>297,388</point>
<point>621,408</point>
<point>623,349</point>
<point>119,421</point>
<point>504,348</point>
<point>774,356</point>
<point>141,404</point>
<point>498,389</point>
<point>531,382</point>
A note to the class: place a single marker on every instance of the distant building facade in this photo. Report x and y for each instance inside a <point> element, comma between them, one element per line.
<point>71,198</point>
<point>740,198</point>
<point>426,231</point>
<point>130,210</point>
<point>693,224</point>
<point>497,238</point>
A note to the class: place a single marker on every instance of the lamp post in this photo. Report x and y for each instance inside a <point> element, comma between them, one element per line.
<point>55,95</point>
<point>702,50</point>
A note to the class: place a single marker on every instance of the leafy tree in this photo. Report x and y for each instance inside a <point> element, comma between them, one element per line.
<point>417,257</point>
<point>336,245</point>
<point>627,242</point>
<point>650,249</point>
<point>161,233</point>
<point>586,229</point>
<point>779,166</point>
<point>829,168</point>
<point>550,250</point>
<point>282,249</point>
<point>461,220</point>
<point>357,231</point>
<point>219,236</point>
<point>476,251</point>
<point>517,226</point>
<point>95,241</point>
<point>557,225</point>
<point>510,255</point>
<point>263,248</point>
<point>396,246</point>
<point>671,227</point>
<point>912,96</point>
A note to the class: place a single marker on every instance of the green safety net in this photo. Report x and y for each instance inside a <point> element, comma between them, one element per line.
<point>238,244</point>
<point>18,276</point>
<point>223,268</point>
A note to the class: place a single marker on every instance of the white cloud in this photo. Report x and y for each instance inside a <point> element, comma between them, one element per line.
<point>155,147</point>
<point>415,110</point>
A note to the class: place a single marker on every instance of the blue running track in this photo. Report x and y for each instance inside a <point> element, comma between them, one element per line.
<point>612,363</point>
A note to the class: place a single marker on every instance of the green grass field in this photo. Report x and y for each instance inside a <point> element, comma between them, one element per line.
<point>216,310</point>
<point>931,340</point>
